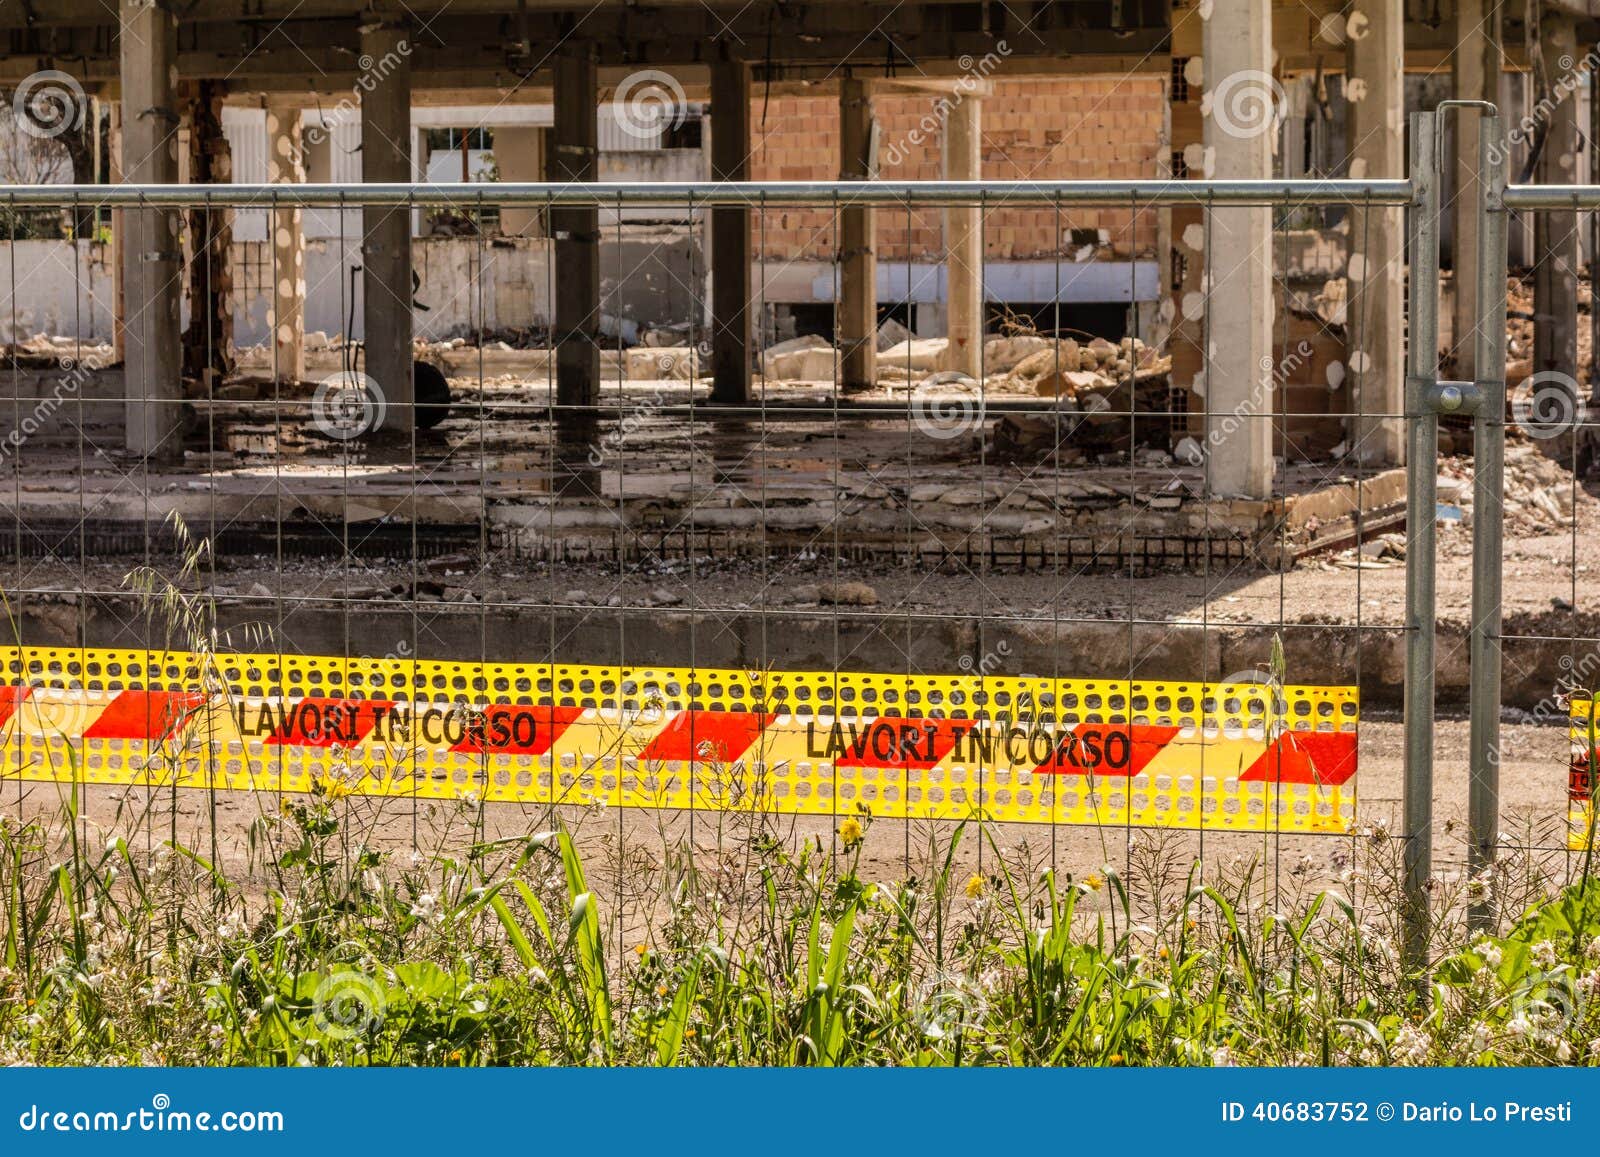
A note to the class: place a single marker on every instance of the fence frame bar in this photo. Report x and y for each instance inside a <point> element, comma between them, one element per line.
<point>1422,453</point>
<point>1488,519</point>
<point>754,194</point>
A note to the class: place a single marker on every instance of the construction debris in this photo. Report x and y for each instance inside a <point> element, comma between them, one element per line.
<point>1538,493</point>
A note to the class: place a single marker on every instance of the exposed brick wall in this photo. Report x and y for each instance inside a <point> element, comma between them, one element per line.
<point>1075,127</point>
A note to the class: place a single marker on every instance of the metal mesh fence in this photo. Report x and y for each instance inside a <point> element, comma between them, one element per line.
<point>1017,600</point>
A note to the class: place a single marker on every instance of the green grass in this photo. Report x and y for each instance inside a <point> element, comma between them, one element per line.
<point>327,951</point>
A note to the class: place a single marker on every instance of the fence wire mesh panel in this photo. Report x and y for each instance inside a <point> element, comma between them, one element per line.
<point>969,595</point>
<point>1009,594</point>
<point>1544,620</point>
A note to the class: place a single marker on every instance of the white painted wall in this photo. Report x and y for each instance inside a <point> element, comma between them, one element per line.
<point>56,287</point>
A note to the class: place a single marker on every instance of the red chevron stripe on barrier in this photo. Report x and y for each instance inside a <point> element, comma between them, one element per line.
<point>10,699</point>
<point>707,736</point>
<point>515,729</point>
<point>144,714</point>
<point>1310,757</point>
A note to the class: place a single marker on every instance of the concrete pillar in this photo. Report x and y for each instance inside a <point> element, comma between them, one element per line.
<point>1475,75</point>
<point>730,235</point>
<point>1555,234</point>
<point>519,155</point>
<point>573,157</point>
<point>858,263</point>
<point>1183,306</point>
<point>963,237</point>
<point>119,281</point>
<point>386,229</point>
<point>152,265</point>
<point>286,166</point>
<point>1375,90</point>
<point>208,341</point>
<point>1237,306</point>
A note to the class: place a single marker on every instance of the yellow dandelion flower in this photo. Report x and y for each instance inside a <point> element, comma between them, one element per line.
<point>850,832</point>
<point>1094,881</point>
<point>642,949</point>
<point>974,887</point>
<point>1162,952</point>
<point>1116,1059</point>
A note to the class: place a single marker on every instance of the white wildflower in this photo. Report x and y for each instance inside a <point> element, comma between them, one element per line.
<point>1411,1045</point>
<point>426,907</point>
<point>1544,954</point>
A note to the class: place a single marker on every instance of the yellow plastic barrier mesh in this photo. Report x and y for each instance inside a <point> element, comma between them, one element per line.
<point>1071,751</point>
<point>1584,734</point>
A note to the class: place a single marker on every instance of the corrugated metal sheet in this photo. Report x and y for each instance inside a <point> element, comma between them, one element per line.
<point>246,130</point>
<point>619,137</point>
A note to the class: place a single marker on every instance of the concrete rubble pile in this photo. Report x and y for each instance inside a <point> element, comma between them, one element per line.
<point>1024,362</point>
<point>1538,492</point>
<point>66,352</point>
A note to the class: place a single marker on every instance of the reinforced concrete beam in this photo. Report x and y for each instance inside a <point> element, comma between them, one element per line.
<point>573,156</point>
<point>1375,90</point>
<point>730,235</point>
<point>386,230</point>
<point>858,265</point>
<point>1237,305</point>
<point>152,262</point>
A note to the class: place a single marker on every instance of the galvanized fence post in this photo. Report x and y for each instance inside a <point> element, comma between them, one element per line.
<point>1422,453</point>
<point>1488,517</point>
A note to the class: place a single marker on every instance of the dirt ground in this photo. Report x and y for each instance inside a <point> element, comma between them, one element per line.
<point>1533,807</point>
